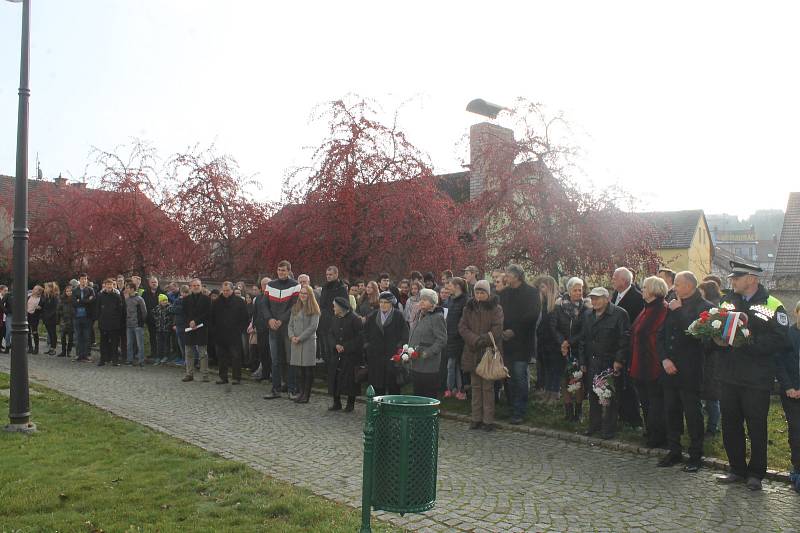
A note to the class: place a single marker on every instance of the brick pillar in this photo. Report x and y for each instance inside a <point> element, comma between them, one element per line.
<point>490,154</point>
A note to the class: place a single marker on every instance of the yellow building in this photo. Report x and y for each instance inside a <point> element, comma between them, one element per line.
<point>683,240</point>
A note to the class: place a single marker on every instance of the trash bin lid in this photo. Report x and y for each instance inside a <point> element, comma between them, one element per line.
<point>407,400</point>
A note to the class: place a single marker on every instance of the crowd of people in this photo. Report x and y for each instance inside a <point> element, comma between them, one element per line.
<point>625,352</point>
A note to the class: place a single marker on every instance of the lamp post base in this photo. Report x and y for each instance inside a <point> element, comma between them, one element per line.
<point>29,427</point>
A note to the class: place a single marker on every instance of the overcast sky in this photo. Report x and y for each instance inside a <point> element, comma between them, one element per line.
<point>686,105</point>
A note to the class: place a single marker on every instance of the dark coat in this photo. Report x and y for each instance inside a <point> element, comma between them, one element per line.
<point>197,307</point>
<point>49,306</point>
<point>229,319</point>
<point>381,343</point>
<point>686,352</point>
<point>66,315</point>
<point>566,321</point>
<point>163,319</point>
<point>110,311</point>
<point>260,313</point>
<point>788,362</point>
<point>330,290</point>
<point>604,340</point>
<point>150,298</point>
<point>83,302</point>
<point>455,344</point>
<point>478,319</point>
<point>547,345</point>
<point>632,303</point>
<point>345,331</point>
<point>520,312</point>
<point>753,364</point>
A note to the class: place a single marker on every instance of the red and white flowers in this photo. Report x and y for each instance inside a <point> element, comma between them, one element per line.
<point>405,355</point>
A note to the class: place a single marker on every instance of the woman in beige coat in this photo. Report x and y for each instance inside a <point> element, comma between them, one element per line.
<point>302,333</point>
<point>481,316</point>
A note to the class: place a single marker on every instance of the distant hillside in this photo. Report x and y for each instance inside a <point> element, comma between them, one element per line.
<point>767,222</point>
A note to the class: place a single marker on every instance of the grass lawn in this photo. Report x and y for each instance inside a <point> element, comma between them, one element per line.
<point>87,470</point>
<point>546,416</point>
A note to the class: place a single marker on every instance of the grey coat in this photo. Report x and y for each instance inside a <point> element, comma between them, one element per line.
<point>429,337</point>
<point>305,327</point>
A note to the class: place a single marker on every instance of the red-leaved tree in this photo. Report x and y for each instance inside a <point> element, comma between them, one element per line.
<point>368,202</point>
<point>533,213</point>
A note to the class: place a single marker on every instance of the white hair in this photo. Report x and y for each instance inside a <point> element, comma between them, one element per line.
<point>688,276</point>
<point>430,295</point>
<point>574,281</point>
<point>626,274</point>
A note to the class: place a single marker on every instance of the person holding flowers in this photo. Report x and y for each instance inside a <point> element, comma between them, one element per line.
<point>566,323</point>
<point>603,344</point>
<point>747,373</point>
<point>482,315</point>
<point>683,359</point>
<point>429,337</point>
<point>385,333</point>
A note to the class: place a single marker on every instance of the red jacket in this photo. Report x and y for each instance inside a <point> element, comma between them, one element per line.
<point>645,362</point>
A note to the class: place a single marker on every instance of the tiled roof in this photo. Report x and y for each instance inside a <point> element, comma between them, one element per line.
<point>40,195</point>
<point>672,229</point>
<point>787,261</point>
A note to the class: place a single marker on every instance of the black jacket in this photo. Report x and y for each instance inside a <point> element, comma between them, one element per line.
<point>607,338</point>
<point>382,342</point>
<point>520,312</point>
<point>229,319</point>
<point>150,298</point>
<point>566,320</point>
<point>345,331</point>
<point>83,302</point>
<point>788,362</point>
<point>632,302</point>
<point>753,364</point>
<point>49,306</point>
<point>686,352</point>
<point>197,307</point>
<point>455,344</point>
<point>110,311</point>
<point>260,313</point>
<point>330,290</point>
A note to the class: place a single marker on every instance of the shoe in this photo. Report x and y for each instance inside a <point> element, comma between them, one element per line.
<point>185,378</point>
<point>475,425</point>
<point>692,466</point>
<point>461,396</point>
<point>206,379</point>
<point>794,479</point>
<point>127,363</point>
<point>515,420</point>
<point>293,396</point>
<point>101,363</point>
<point>607,436</point>
<point>221,381</point>
<point>141,365</point>
<point>236,382</point>
<point>489,427</point>
<point>116,364</point>
<point>753,483</point>
<point>157,362</point>
<point>671,459</point>
<point>709,435</point>
<point>589,432</point>
<point>272,395</point>
<point>350,406</point>
<point>448,394</point>
<point>337,406</point>
<point>729,478</point>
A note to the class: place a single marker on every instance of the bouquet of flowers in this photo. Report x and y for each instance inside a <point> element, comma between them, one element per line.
<point>405,355</point>
<point>574,377</point>
<point>603,386</point>
<point>724,327</point>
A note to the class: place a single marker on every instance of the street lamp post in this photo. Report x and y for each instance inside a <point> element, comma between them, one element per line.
<point>19,412</point>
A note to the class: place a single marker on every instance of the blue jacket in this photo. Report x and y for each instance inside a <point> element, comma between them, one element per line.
<point>787,365</point>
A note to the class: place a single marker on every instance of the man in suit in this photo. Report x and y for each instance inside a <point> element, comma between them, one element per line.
<point>630,299</point>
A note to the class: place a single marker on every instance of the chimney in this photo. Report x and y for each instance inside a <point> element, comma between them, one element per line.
<point>60,182</point>
<point>491,154</point>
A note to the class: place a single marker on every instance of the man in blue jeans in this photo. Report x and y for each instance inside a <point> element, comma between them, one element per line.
<point>281,295</point>
<point>83,300</point>
<point>521,306</point>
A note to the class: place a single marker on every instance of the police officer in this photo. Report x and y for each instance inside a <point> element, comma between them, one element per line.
<point>747,374</point>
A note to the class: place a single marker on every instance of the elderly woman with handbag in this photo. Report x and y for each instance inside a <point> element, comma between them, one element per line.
<point>480,324</point>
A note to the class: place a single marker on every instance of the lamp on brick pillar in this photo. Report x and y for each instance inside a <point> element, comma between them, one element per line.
<point>19,402</point>
<point>491,148</point>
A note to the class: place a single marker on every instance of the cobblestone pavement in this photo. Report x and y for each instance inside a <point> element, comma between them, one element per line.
<point>502,481</point>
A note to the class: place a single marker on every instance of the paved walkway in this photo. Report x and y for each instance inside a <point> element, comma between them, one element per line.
<point>502,481</point>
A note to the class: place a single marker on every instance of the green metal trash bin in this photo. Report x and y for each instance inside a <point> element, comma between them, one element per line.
<point>401,448</point>
<point>406,452</point>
